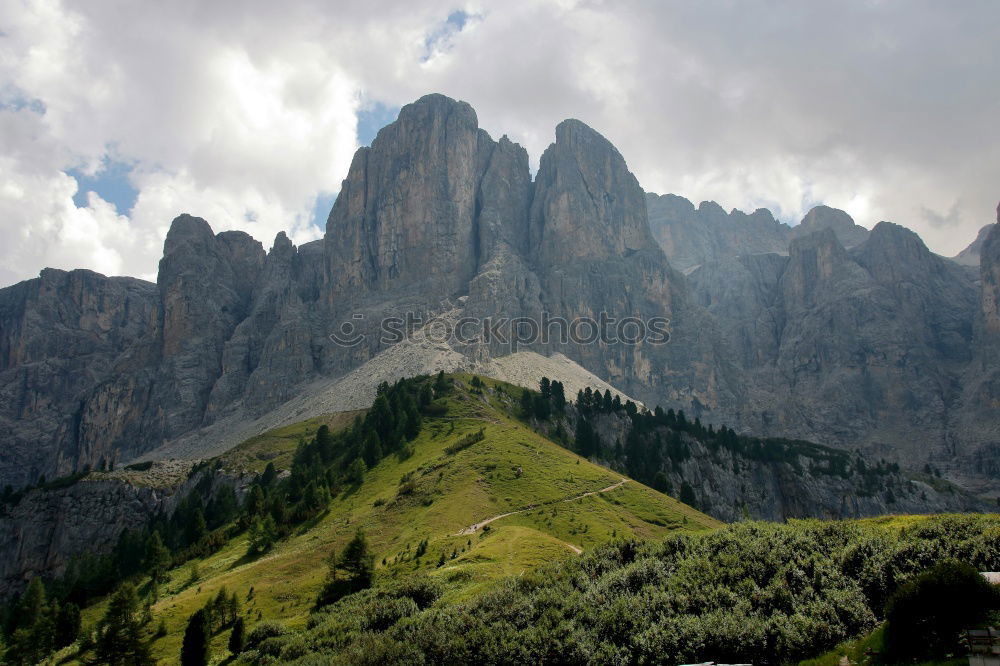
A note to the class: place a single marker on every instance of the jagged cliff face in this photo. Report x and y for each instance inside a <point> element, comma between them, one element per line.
<point>62,340</point>
<point>970,255</point>
<point>693,237</point>
<point>707,235</point>
<point>47,528</point>
<point>868,347</point>
<point>435,216</point>
<point>732,484</point>
<point>822,331</point>
<point>406,219</point>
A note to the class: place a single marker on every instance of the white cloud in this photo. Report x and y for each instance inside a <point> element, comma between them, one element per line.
<point>245,112</point>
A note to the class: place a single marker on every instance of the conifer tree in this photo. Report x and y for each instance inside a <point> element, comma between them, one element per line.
<point>358,561</point>
<point>120,637</point>
<point>194,649</point>
<point>527,404</point>
<point>237,639</point>
<point>558,397</point>
<point>67,625</point>
<point>157,557</point>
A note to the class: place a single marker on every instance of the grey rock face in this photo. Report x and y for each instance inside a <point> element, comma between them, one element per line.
<point>866,348</point>
<point>823,217</point>
<point>406,216</point>
<point>854,339</point>
<point>970,255</point>
<point>692,237</point>
<point>47,528</point>
<point>732,486</point>
<point>63,336</point>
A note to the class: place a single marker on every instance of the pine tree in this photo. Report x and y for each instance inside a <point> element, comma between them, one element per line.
<point>33,627</point>
<point>357,560</point>
<point>67,625</point>
<point>33,604</point>
<point>194,649</point>
<point>527,404</point>
<point>270,473</point>
<point>356,471</point>
<point>558,397</point>
<point>440,384</point>
<point>263,534</point>
<point>233,609</point>
<point>120,636</point>
<point>585,438</point>
<point>426,395</point>
<point>253,505</point>
<point>236,637</point>
<point>197,528</point>
<point>542,409</point>
<point>372,451</point>
<point>157,557</point>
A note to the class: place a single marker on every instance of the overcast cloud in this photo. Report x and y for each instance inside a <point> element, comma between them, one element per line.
<point>247,113</point>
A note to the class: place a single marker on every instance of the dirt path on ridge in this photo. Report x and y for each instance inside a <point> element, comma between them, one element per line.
<point>475,527</point>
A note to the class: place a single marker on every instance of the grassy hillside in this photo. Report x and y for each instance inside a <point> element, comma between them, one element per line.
<point>553,497</point>
<point>494,544</point>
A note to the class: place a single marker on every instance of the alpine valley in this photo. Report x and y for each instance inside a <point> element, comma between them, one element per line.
<point>210,444</point>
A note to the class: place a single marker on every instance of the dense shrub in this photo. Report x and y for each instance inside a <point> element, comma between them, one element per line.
<point>927,614</point>
<point>758,592</point>
<point>263,631</point>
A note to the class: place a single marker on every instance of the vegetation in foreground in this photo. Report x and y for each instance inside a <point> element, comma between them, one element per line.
<point>374,548</point>
<point>432,457</point>
<point>758,592</point>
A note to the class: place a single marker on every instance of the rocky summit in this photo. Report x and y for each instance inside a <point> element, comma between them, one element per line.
<point>825,331</point>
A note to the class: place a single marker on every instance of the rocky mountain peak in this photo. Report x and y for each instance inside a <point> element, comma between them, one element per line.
<point>989,270</point>
<point>405,219</point>
<point>821,217</point>
<point>814,261</point>
<point>187,230</point>
<point>711,209</point>
<point>970,255</point>
<point>586,201</point>
<point>893,247</point>
<point>282,243</point>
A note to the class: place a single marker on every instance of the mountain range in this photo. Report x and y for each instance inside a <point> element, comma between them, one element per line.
<point>825,331</point>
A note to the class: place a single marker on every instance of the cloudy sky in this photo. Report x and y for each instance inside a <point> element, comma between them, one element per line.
<point>115,116</point>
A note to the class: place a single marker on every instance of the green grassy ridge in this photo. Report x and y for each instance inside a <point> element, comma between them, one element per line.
<point>512,468</point>
<point>278,445</point>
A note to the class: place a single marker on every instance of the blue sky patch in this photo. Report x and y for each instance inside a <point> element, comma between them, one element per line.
<point>111,183</point>
<point>372,119</point>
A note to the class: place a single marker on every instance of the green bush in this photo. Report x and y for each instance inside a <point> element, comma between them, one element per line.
<point>927,615</point>
<point>263,631</point>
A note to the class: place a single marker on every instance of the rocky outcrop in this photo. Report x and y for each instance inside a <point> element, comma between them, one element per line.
<point>693,237</point>
<point>44,530</point>
<point>970,255</point>
<point>63,336</point>
<point>708,235</point>
<point>769,479</point>
<point>47,528</point>
<point>863,348</point>
<point>823,217</point>
<point>407,217</point>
